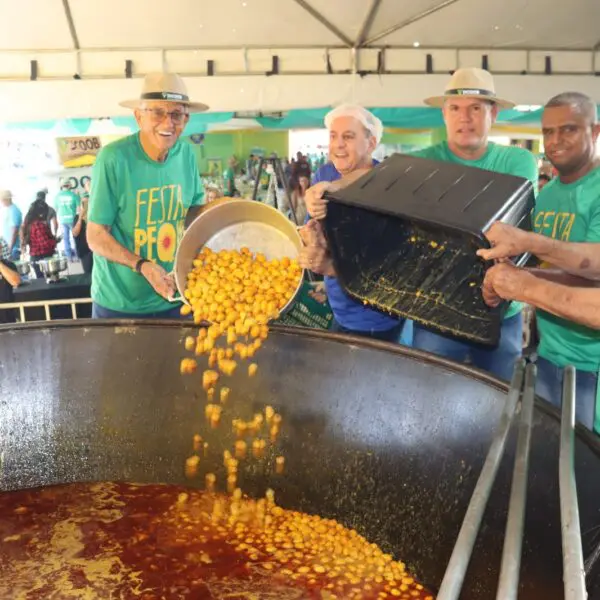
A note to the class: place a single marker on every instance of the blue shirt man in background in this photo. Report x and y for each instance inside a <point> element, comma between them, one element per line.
<point>11,219</point>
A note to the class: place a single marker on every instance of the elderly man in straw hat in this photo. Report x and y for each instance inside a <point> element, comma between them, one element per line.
<point>470,107</point>
<point>144,186</point>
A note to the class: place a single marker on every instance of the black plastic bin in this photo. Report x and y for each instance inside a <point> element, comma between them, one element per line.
<point>403,240</point>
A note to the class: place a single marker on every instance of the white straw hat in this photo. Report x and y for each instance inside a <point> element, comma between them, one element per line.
<point>168,87</point>
<point>470,83</point>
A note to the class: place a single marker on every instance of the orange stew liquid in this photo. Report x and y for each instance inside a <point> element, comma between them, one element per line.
<point>121,540</point>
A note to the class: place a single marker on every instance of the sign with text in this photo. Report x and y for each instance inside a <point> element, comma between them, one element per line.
<point>78,151</point>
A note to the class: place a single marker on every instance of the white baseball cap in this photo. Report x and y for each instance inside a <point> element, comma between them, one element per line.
<point>367,119</point>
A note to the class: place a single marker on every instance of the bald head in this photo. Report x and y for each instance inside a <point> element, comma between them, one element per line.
<point>578,102</point>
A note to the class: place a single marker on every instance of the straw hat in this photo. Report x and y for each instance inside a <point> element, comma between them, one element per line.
<point>168,87</point>
<point>470,83</point>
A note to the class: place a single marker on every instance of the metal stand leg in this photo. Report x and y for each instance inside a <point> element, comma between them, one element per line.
<point>573,567</point>
<point>508,586</point>
<point>573,573</point>
<point>459,561</point>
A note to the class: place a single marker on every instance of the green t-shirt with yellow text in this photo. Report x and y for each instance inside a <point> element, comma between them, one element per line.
<point>144,203</point>
<point>569,212</point>
<point>509,160</point>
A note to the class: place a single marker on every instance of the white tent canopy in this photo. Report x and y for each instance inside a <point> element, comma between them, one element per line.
<point>67,58</point>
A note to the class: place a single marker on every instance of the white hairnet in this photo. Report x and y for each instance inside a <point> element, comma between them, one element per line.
<point>368,120</point>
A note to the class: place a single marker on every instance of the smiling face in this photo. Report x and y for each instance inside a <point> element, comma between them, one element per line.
<point>161,123</point>
<point>468,123</point>
<point>569,139</point>
<point>350,145</point>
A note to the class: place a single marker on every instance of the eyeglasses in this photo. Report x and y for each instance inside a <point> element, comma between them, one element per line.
<point>160,114</point>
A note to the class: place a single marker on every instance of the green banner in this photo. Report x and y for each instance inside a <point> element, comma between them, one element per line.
<point>311,308</point>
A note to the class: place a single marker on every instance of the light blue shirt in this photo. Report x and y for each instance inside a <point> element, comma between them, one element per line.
<point>11,217</point>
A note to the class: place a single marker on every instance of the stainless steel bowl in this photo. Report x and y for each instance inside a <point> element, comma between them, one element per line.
<point>23,267</point>
<point>233,225</point>
<point>53,265</point>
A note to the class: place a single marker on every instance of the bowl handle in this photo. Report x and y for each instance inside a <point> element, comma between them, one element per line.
<point>177,296</point>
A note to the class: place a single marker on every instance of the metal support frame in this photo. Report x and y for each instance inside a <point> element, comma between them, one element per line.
<point>367,23</point>
<point>71,23</point>
<point>325,22</point>
<point>573,565</point>
<point>573,571</point>
<point>409,21</point>
<point>508,587</point>
<point>371,46</point>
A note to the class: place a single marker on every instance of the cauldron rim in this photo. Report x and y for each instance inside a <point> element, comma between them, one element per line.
<point>586,436</point>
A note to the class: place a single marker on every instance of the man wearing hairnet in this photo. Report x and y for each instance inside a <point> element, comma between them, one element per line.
<point>354,133</point>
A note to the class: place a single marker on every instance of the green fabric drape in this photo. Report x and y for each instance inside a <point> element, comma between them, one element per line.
<point>397,118</point>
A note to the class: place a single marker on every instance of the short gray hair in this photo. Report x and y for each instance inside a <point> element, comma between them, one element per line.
<point>583,104</point>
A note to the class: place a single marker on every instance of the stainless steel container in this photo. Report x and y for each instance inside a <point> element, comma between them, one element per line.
<point>232,226</point>
<point>23,267</point>
<point>52,267</point>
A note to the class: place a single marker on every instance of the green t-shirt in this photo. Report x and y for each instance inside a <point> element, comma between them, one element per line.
<point>229,181</point>
<point>509,160</point>
<point>569,212</point>
<point>66,204</point>
<point>144,202</point>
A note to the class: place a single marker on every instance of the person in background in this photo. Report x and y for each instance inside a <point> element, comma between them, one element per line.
<point>11,218</point>
<point>87,184</point>
<point>543,179</point>
<point>146,186</point>
<point>297,197</point>
<point>229,178</point>
<point>301,167</point>
<point>354,133</point>
<point>84,252</point>
<point>9,279</point>
<point>36,233</point>
<point>212,194</point>
<point>66,204</point>
<point>287,170</point>
<point>470,107</point>
<point>52,219</point>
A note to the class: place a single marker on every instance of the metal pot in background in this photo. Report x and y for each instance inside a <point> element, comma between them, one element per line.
<point>53,267</point>
<point>23,267</point>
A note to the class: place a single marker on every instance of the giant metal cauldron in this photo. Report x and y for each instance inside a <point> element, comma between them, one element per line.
<point>386,440</point>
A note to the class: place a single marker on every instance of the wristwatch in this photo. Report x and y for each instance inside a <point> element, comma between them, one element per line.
<point>139,264</point>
